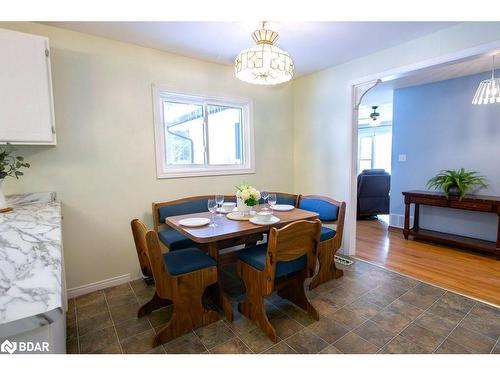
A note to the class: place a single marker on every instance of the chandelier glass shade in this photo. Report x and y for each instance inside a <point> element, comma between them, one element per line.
<point>264,63</point>
<point>488,91</point>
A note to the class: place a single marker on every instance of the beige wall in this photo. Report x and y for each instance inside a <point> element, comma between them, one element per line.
<point>103,167</point>
<point>322,111</point>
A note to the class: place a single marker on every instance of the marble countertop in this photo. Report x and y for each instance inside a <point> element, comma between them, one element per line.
<point>31,272</point>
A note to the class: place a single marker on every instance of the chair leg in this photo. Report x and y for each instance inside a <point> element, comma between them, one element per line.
<point>154,304</point>
<point>189,312</point>
<point>327,269</point>
<point>294,291</point>
<point>253,306</point>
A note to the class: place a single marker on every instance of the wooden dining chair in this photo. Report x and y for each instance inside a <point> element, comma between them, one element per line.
<point>180,277</point>
<point>282,264</point>
<point>330,211</point>
<point>139,233</point>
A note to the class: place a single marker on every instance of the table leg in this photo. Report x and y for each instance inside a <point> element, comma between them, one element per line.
<point>406,230</point>
<point>416,217</point>
<point>218,295</point>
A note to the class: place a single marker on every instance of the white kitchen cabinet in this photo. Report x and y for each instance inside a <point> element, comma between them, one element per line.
<point>26,101</point>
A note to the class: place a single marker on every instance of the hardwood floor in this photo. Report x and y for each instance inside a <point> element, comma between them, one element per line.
<point>472,274</point>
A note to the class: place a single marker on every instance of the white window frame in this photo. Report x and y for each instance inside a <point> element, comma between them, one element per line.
<point>163,170</point>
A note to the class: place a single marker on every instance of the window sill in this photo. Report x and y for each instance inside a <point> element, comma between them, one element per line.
<point>203,173</point>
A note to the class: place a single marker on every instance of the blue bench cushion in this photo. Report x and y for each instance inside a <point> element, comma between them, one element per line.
<point>187,260</point>
<point>174,240</point>
<point>256,257</point>
<point>327,211</point>
<point>190,207</point>
<point>327,233</point>
<point>283,199</point>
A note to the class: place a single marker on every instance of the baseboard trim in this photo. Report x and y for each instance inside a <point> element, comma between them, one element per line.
<point>99,285</point>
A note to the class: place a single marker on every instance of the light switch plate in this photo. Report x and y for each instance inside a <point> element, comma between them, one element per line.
<point>402,157</point>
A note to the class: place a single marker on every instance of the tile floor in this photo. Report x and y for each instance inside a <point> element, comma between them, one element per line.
<point>369,310</point>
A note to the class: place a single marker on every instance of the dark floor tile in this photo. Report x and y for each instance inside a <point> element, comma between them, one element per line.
<point>452,306</point>
<point>390,290</point>
<point>422,296</point>
<point>306,342</point>
<point>240,323</point>
<point>118,290</point>
<point>363,306</point>
<point>329,330</point>
<point>403,308</point>
<point>121,300</point>
<point>401,345</point>
<point>72,346</point>
<point>94,323</point>
<point>391,321</point>
<point>144,295</point>
<point>496,349</point>
<point>280,348</point>
<point>339,297</point>
<point>124,312</point>
<point>402,282</point>
<point>424,338</point>
<point>89,298</point>
<point>132,327</point>
<point>473,341</point>
<point>97,340</point>
<point>373,333</point>
<point>110,349</point>
<point>214,334</point>
<point>91,310</point>
<point>138,344</point>
<point>379,298</point>
<point>435,324</point>
<point>256,340</point>
<point>330,349</point>
<point>324,307</point>
<point>186,344</point>
<point>232,346</point>
<point>71,329</point>
<point>483,319</point>
<point>349,318</point>
<point>139,285</point>
<point>354,344</point>
<point>285,326</point>
<point>161,316</point>
<point>451,347</point>
<point>158,350</point>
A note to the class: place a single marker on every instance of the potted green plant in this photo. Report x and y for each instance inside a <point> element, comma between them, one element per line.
<point>10,166</point>
<point>456,182</point>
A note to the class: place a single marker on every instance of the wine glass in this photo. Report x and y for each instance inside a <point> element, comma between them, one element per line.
<point>264,194</point>
<point>219,199</point>
<point>212,207</point>
<point>271,199</point>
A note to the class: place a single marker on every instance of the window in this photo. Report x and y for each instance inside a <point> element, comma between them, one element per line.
<point>202,135</point>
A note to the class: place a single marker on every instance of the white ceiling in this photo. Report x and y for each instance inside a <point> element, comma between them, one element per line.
<point>313,45</point>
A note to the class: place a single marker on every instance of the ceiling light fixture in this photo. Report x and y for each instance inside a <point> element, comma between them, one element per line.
<point>264,63</point>
<point>375,116</point>
<point>488,91</point>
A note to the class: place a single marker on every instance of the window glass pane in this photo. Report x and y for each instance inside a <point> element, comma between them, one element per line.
<point>184,134</point>
<point>365,164</point>
<point>365,148</point>
<point>225,143</point>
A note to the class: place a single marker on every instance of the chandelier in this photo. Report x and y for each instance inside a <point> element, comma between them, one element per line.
<point>488,91</point>
<point>264,63</point>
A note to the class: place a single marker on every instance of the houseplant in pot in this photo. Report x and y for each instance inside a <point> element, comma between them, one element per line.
<point>456,182</point>
<point>246,198</point>
<point>10,166</point>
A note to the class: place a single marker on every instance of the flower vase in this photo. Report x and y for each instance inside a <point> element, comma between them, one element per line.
<point>242,207</point>
<point>3,201</point>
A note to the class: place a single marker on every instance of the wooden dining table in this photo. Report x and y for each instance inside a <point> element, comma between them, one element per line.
<point>230,233</point>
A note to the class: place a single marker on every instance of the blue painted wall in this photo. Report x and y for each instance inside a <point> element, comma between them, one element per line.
<point>437,127</point>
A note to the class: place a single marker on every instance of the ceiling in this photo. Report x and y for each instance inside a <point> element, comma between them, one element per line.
<point>313,45</point>
<point>383,92</point>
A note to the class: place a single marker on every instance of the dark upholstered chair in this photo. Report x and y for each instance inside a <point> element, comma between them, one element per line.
<point>288,258</point>
<point>180,277</point>
<point>170,238</point>
<point>373,192</point>
<point>330,211</point>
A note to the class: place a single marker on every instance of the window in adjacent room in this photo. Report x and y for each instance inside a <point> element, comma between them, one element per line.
<point>202,135</point>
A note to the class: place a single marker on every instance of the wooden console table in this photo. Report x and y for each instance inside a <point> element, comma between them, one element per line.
<point>479,203</point>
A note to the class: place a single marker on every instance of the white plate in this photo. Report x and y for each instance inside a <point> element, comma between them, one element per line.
<point>282,207</point>
<point>223,211</point>
<point>194,222</point>
<point>273,220</point>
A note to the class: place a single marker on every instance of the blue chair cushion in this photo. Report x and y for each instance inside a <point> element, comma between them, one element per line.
<point>256,257</point>
<point>187,260</point>
<point>327,233</point>
<point>174,240</point>
<point>327,211</point>
<point>283,199</point>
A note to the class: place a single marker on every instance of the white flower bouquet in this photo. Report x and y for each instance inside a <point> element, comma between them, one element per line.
<point>247,197</point>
